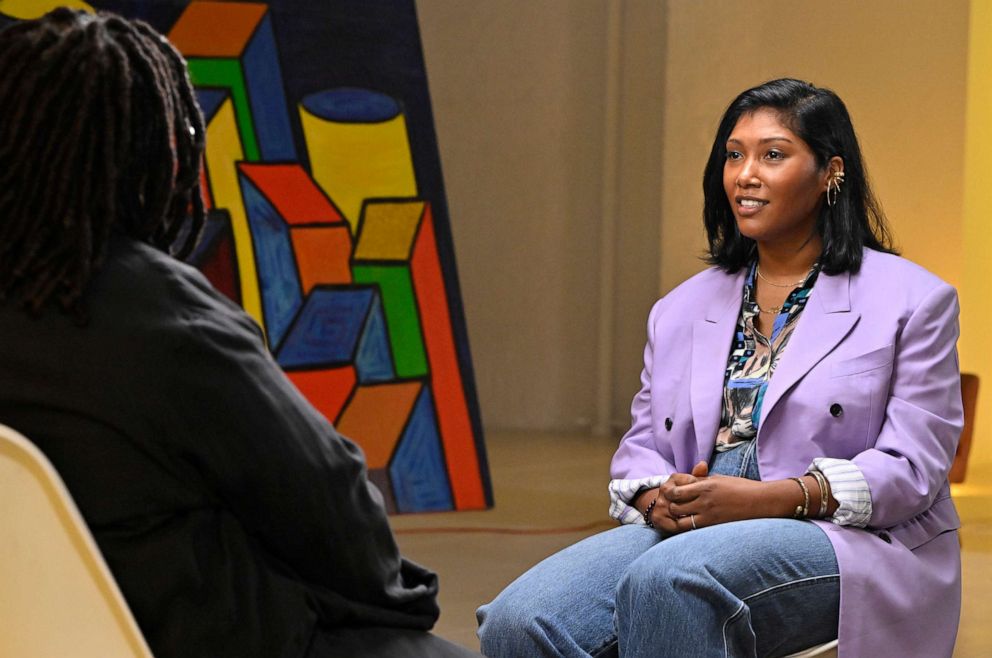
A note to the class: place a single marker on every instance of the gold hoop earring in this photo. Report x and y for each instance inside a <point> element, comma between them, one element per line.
<point>833,187</point>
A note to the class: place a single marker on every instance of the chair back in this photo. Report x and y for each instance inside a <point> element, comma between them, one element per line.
<point>57,596</point>
<point>969,399</point>
<point>828,650</point>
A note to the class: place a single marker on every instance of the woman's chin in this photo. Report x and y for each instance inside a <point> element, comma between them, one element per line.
<point>749,229</point>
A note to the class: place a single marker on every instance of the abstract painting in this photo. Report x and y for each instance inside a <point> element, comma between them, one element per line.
<point>328,224</point>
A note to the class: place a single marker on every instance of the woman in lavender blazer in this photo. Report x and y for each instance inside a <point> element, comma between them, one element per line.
<point>774,492</point>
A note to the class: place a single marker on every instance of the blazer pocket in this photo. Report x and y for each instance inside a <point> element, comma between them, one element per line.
<point>940,518</point>
<point>864,362</point>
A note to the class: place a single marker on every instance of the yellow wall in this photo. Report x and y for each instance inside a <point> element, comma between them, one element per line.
<point>976,316</point>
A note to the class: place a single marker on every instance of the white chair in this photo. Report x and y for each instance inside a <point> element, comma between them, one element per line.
<point>828,650</point>
<point>57,597</point>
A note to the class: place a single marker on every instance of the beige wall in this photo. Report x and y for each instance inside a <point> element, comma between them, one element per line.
<point>642,108</point>
<point>520,124</point>
<point>533,103</point>
<point>573,135</point>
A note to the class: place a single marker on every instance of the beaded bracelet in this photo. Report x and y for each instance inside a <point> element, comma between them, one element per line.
<point>802,511</point>
<point>647,513</point>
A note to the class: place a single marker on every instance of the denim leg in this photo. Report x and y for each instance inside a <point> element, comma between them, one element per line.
<point>564,605</point>
<point>765,587</point>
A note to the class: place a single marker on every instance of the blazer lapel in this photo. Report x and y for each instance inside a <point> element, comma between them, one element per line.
<point>711,338</point>
<point>824,323</point>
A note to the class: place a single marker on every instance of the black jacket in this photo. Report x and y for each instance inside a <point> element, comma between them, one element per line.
<point>235,519</point>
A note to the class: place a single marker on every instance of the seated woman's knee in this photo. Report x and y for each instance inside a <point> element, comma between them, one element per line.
<point>663,571</point>
<point>507,619</point>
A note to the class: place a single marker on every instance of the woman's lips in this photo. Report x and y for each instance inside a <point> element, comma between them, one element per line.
<point>749,207</point>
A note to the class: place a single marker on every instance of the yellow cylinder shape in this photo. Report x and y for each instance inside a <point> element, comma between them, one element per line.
<point>358,147</point>
<point>27,9</point>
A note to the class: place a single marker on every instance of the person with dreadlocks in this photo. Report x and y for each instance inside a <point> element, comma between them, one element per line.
<point>235,519</point>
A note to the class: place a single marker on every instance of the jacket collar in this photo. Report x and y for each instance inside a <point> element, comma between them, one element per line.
<point>726,297</point>
<point>825,322</point>
<point>833,292</point>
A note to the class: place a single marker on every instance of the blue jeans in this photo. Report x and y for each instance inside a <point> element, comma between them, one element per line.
<point>764,587</point>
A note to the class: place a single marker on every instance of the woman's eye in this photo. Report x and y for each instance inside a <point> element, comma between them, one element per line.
<point>734,155</point>
<point>775,154</point>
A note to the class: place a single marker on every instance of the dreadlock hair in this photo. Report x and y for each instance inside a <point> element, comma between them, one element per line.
<point>99,132</point>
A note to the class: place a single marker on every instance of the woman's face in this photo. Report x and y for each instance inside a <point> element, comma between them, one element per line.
<point>772,181</point>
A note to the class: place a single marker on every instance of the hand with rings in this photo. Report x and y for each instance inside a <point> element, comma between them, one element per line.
<point>657,503</point>
<point>714,499</point>
<point>687,522</point>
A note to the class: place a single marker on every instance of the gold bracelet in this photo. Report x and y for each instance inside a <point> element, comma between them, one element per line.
<point>802,511</point>
<point>821,482</point>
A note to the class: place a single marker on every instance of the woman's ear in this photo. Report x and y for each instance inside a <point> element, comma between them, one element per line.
<point>834,179</point>
<point>835,167</point>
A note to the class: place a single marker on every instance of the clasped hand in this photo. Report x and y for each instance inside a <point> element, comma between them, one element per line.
<point>688,501</point>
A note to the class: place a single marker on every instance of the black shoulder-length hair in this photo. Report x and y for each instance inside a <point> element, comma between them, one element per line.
<point>819,117</point>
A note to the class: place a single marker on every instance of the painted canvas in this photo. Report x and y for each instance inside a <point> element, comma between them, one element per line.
<point>328,223</point>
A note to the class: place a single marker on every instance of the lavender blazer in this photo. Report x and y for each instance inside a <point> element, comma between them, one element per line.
<point>880,343</point>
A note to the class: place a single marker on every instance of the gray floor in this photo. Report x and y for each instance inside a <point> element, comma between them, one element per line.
<point>550,491</point>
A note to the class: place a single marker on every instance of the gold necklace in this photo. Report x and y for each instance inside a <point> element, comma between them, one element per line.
<point>774,309</point>
<point>781,285</point>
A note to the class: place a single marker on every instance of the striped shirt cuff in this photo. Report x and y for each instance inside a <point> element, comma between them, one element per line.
<point>849,487</point>
<point>622,493</point>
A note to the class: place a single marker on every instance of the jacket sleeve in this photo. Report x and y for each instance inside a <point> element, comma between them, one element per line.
<point>909,462</point>
<point>295,484</point>
<point>639,454</point>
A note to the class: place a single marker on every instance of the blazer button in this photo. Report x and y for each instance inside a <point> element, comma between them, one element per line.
<point>836,410</point>
<point>668,424</point>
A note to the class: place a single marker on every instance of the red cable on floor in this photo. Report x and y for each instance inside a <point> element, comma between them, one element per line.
<point>507,531</point>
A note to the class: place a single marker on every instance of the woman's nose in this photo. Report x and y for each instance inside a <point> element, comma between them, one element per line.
<point>747,176</point>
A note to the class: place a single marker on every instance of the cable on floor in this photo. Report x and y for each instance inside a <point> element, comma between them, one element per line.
<point>595,525</point>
